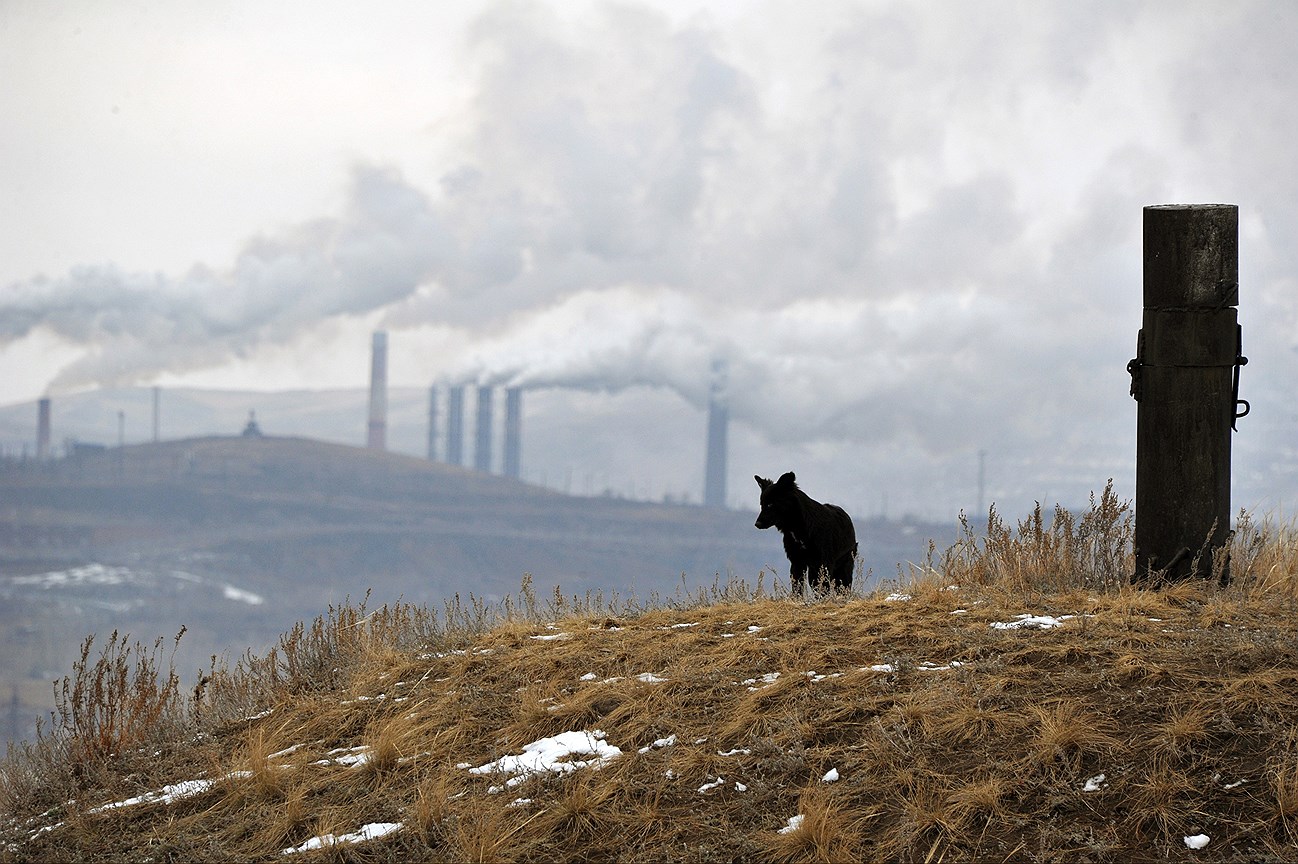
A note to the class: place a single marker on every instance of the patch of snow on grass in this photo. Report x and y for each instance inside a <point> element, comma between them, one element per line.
<point>1196,841</point>
<point>1038,622</point>
<point>371,831</point>
<point>795,822</point>
<point>715,784</point>
<point>669,741</point>
<point>831,776</point>
<point>170,794</point>
<point>1095,784</point>
<point>348,757</point>
<point>546,754</point>
<point>768,679</point>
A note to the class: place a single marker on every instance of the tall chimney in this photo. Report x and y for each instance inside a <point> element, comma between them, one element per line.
<point>513,432</point>
<point>432,423</point>
<point>482,452</point>
<point>455,425</point>
<point>378,426</point>
<point>157,399</point>
<point>714,483</point>
<point>43,429</point>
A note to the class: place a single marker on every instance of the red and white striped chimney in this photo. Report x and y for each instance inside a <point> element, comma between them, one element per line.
<point>376,439</point>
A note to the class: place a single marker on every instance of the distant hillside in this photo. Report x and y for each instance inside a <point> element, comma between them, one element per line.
<point>237,538</point>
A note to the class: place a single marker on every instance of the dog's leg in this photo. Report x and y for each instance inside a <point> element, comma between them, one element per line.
<point>842,577</point>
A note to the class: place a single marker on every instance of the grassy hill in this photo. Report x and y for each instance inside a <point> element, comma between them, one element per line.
<point>1014,700</point>
<point>239,538</point>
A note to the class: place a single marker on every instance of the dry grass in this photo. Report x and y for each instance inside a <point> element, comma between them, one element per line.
<point>733,709</point>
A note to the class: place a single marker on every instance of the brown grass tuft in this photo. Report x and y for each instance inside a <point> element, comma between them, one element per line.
<point>1067,733</point>
<point>824,833</point>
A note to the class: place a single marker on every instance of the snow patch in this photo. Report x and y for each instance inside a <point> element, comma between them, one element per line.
<point>768,679</point>
<point>1196,841</point>
<point>669,741</point>
<point>348,757</point>
<point>544,756</point>
<point>795,822</point>
<point>1033,622</point>
<point>170,794</point>
<point>371,831</point>
<point>715,784</point>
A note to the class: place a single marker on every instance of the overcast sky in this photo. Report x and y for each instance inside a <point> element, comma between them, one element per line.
<point>912,228</point>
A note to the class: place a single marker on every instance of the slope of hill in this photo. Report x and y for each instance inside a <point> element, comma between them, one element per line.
<point>238,538</point>
<point>1016,703</point>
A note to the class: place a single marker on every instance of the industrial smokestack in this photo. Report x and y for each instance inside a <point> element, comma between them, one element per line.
<point>455,425</point>
<point>157,401</point>
<point>482,452</point>
<point>513,433</point>
<point>378,426</point>
<point>714,483</point>
<point>43,429</point>
<point>432,423</point>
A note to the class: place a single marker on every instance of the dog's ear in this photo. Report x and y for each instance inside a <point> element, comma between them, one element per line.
<point>787,479</point>
<point>762,481</point>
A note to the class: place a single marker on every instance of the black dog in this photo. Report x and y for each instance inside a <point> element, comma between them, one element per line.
<point>818,538</point>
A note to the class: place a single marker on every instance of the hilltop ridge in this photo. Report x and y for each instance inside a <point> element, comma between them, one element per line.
<point>238,538</point>
<point>1015,701</point>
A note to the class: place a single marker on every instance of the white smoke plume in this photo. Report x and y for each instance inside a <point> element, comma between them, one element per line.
<point>899,222</point>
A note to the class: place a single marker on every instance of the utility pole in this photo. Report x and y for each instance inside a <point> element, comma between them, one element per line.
<point>1185,379</point>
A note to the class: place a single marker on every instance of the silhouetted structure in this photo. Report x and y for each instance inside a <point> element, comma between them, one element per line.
<point>43,430</point>
<point>714,482</point>
<point>455,425</point>
<point>377,433</point>
<point>1185,378</point>
<point>513,432</point>
<point>252,430</point>
<point>482,452</point>
<point>432,423</point>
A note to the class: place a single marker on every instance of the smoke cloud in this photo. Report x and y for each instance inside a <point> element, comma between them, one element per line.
<point>913,223</point>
